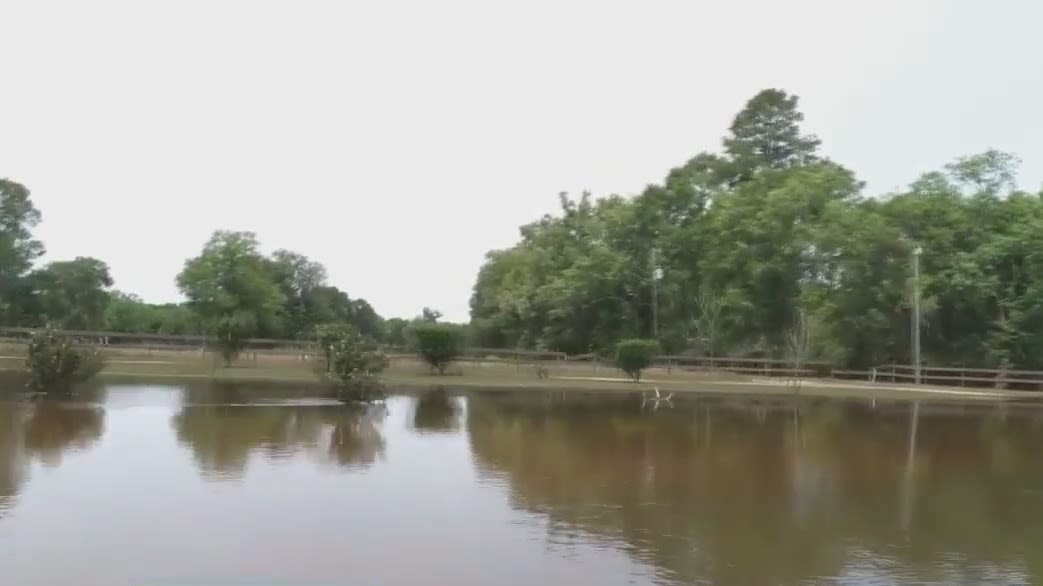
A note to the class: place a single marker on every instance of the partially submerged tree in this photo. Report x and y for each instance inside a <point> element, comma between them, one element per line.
<point>56,363</point>
<point>633,356</point>
<point>438,344</point>
<point>351,362</point>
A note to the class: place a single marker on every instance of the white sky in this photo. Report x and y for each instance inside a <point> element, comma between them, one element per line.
<point>397,141</point>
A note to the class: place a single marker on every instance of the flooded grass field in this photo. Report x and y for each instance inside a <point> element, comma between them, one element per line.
<point>211,484</point>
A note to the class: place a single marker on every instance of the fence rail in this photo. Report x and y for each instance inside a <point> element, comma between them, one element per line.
<point>894,373</point>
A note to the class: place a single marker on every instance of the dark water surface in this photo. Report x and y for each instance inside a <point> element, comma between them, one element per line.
<point>206,485</point>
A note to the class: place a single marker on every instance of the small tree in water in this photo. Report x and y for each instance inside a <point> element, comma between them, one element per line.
<point>438,344</point>
<point>55,363</point>
<point>633,356</point>
<point>353,364</point>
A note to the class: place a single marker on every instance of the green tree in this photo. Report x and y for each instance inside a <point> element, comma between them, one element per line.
<point>352,361</point>
<point>766,135</point>
<point>300,281</point>
<point>18,249</point>
<point>438,344</point>
<point>231,331</point>
<point>72,294</point>
<point>395,331</point>
<point>230,285</point>
<point>326,336</point>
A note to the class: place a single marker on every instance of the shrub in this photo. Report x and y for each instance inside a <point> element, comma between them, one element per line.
<point>232,332</point>
<point>438,344</point>
<point>327,335</point>
<point>353,364</point>
<point>633,356</point>
<point>55,364</point>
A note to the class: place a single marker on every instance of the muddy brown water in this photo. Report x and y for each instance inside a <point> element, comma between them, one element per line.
<point>211,485</point>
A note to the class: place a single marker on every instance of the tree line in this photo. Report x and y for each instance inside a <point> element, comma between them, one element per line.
<point>229,286</point>
<point>765,248</point>
<point>768,248</point>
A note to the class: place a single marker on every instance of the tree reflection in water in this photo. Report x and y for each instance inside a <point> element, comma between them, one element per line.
<point>45,430</point>
<point>738,492</point>
<point>436,411</point>
<point>223,438</point>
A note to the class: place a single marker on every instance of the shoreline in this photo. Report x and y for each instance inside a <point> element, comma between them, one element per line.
<point>498,379</point>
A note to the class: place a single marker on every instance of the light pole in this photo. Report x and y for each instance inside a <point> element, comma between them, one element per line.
<point>657,273</point>
<point>916,313</point>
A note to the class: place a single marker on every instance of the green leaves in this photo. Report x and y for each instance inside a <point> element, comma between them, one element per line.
<point>230,276</point>
<point>766,236</point>
<point>72,294</point>
<point>438,344</point>
<point>285,296</point>
<point>55,362</point>
<point>18,249</point>
<point>633,356</point>
<point>352,361</point>
<point>766,135</point>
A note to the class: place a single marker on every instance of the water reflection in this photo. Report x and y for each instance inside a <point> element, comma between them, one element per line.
<point>579,488</point>
<point>13,463</point>
<point>436,411</point>
<point>54,428</point>
<point>223,437</point>
<point>355,440</point>
<point>43,430</point>
<point>746,492</point>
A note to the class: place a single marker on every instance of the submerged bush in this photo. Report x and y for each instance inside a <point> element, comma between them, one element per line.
<point>633,356</point>
<point>352,363</point>
<point>438,344</point>
<point>55,363</point>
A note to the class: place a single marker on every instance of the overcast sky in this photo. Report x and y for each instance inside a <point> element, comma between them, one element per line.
<point>397,141</point>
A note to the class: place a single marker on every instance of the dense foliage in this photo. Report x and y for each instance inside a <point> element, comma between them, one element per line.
<point>55,363</point>
<point>633,356</point>
<point>438,344</point>
<point>765,248</point>
<point>769,235</point>
<point>352,362</point>
<point>233,291</point>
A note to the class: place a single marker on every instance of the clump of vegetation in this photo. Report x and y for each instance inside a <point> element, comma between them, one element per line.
<point>231,333</point>
<point>55,363</point>
<point>438,344</point>
<point>326,336</point>
<point>352,363</point>
<point>633,356</point>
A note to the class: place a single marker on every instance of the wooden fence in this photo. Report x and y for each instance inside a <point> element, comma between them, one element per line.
<point>771,367</point>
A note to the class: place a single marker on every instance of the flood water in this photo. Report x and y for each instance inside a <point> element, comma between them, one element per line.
<point>213,485</point>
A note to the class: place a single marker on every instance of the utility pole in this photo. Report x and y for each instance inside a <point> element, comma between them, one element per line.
<point>657,273</point>
<point>916,313</point>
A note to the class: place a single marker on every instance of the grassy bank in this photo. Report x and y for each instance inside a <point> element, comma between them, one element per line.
<point>405,372</point>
